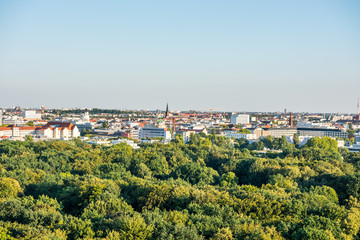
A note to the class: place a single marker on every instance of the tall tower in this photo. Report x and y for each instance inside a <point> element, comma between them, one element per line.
<point>358,107</point>
<point>167,114</point>
<point>291,120</point>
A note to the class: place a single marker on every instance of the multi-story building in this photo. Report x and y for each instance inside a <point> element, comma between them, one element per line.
<point>31,115</point>
<point>240,119</point>
<point>134,133</point>
<point>58,130</point>
<point>323,132</point>
<point>17,131</point>
<point>13,120</point>
<point>279,132</point>
<point>260,132</point>
<point>52,130</point>
<point>152,132</point>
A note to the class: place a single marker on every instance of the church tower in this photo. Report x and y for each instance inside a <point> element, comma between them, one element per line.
<point>167,114</point>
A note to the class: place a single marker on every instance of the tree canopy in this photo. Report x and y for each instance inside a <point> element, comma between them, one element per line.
<point>209,188</point>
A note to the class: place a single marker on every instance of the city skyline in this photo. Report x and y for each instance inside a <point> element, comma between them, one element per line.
<point>238,56</point>
<point>85,109</point>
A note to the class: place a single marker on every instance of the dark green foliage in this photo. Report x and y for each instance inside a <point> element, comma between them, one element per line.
<point>210,188</point>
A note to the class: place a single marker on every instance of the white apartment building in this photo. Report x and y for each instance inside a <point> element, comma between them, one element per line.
<point>304,139</point>
<point>240,119</point>
<point>236,135</point>
<point>31,115</point>
<point>152,132</point>
<point>13,120</point>
<point>127,141</point>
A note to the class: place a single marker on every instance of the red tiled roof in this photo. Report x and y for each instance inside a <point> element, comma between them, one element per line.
<point>60,125</point>
<point>29,128</point>
<point>20,128</point>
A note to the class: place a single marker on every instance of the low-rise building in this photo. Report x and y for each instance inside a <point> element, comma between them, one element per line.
<point>127,141</point>
<point>237,135</point>
<point>354,148</point>
<point>302,140</point>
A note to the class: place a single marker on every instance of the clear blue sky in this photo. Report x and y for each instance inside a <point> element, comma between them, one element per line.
<point>236,55</point>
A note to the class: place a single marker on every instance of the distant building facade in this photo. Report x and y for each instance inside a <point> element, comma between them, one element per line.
<point>279,132</point>
<point>323,132</point>
<point>152,132</point>
<point>240,119</point>
<point>58,130</point>
<point>13,120</point>
<point>31,115</point>
<point>52,130</point>
<point>127,141</point>
<point>236,135</point>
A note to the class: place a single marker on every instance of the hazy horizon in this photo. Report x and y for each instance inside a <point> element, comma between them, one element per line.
<point>232,55</point>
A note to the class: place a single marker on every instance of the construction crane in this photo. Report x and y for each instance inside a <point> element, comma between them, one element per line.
<point>211,111</point>
<point>172,122</point>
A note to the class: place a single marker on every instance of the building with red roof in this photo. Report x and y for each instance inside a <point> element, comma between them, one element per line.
<point>52,130</point>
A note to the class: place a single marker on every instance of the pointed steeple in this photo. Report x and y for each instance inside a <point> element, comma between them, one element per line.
<point>167,110</point>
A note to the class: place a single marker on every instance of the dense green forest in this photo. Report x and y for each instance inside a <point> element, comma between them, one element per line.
<point>210,188</point>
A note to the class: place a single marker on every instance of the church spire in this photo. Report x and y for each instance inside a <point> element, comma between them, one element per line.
<point>167,110</point>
